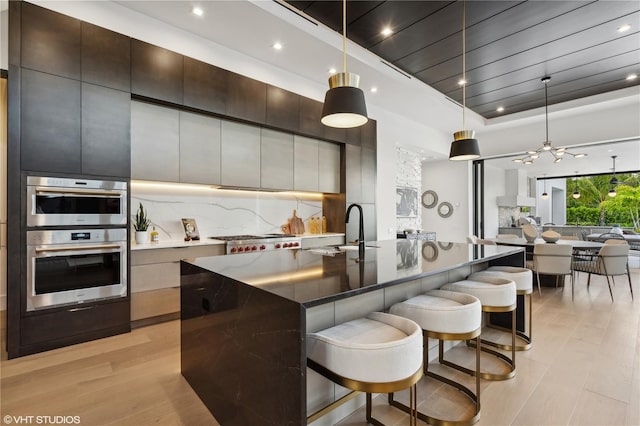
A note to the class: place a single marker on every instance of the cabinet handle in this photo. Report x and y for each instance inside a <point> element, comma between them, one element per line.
<point>81,309</point>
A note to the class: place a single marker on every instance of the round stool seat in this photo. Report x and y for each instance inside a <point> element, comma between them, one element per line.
<point>494,292</point>
<point>380,348</point>
<point>523,277</point>
<point>442,311</point>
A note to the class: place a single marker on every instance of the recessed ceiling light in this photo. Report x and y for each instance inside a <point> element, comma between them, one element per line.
<point>374,89</point>
<point>623,28</point>
<point>277,45</point>
<point>462,82</point>
<point>500,109</point>
<point>386,31</point>
<point>332,71</point>
<point>632,77</point>
<point>197,11</point>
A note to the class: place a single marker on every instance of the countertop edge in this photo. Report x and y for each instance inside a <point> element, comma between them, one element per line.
<point>209,242</point>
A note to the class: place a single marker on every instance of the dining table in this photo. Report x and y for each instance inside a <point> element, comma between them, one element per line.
<point>632,239</point>
<point>522,242</point>
<point>580,247</point>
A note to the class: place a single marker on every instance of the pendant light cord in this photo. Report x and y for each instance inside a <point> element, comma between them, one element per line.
<point>464,64</point>
<point>344,36</point>
<point>546,111</point>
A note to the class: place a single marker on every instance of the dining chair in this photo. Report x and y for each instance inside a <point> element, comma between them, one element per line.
<point>485,242</point>
<point>472,239</point>
<point>552,259</point>
<point>611,261</point>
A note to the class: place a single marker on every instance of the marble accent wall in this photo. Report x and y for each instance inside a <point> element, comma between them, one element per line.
<point>409,175</point>
<point>221,212</point>
<point>506,213</point>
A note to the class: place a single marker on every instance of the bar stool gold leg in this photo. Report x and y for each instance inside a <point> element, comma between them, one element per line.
<point>474,397</point>
<point>527,339</point>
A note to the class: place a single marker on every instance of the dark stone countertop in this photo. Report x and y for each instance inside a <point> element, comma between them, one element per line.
<point>310,278</point>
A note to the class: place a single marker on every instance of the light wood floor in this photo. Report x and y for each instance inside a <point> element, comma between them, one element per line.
<point>583,369</point>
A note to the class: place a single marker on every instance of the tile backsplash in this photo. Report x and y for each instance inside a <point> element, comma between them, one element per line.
<point>221,212</point>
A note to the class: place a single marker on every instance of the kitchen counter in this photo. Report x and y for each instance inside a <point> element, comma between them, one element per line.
<point>244,318</point>
<point>209,241</point>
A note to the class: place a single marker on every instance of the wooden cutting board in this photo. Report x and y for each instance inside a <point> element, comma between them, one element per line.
<point>296,225</point>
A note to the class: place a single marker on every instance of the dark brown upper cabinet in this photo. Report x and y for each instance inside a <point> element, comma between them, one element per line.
<point>50,113</point>
<point>369,134</point>
<point>333,133</point>
<point>205,86</point>
<point>50,42</point>
<point>156,72</point>
<point>106,128</point>
<point>246,98</point>
<point>106,58</point>
<point>353,135</point>
<point>283,109</point>
<point>309,117</point>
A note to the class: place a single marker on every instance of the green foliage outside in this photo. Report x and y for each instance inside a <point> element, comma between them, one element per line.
<point>595,207</point>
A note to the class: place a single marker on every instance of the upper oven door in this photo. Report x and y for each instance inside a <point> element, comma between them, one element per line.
<point>65,202</point>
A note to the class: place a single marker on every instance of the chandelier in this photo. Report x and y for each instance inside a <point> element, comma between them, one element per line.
<point>556,153</point>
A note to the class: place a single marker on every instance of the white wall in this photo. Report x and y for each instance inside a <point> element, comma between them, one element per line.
<point>4,37</point>
<point>553,209</point>
<point>494,187</point>
<point>450,180</point>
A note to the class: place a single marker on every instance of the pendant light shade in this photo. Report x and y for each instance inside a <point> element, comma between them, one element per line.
<point>576,192</point>
<point>344,106</point>
<point>544,195</point>
<point>464,146</point>
<point>614,181</point>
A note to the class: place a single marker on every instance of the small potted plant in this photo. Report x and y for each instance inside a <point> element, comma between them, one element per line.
<point>141,225</point>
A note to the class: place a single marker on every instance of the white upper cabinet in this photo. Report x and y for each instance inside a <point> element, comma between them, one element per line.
<point>305,164</point>
<point>199,148</point>
<point>276,160</point>
<point>154,142</point>
<point>240,161</point>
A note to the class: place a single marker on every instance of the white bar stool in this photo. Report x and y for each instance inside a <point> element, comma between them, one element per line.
<point>445,315</point>
<point>496,295</point>
<point>523,278</point>
<point>381,353</point>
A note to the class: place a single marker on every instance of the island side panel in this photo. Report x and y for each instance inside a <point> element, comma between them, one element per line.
<point>242,350</point>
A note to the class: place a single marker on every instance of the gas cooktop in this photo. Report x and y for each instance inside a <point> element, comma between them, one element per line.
<point>253,243</point>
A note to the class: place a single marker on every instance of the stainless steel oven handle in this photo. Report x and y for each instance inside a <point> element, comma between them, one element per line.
<point>67,191</point>
<point>85,308</point>
<point>76,248</point>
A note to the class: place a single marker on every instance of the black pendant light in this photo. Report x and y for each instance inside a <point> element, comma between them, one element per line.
<point>576,192</point>
<point>464,146</point>
<point>544,194</point>
<point>344,105</point>
<point>614,181</point>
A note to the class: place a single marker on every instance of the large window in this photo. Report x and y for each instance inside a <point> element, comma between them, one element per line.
<point>604,200</point>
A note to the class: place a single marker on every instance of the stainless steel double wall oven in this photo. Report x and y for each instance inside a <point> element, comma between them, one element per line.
<point>76,241</point>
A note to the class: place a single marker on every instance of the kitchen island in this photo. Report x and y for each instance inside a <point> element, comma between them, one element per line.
<point>244,318</point>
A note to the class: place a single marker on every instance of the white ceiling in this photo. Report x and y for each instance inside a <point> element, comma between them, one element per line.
<point>251,28</point>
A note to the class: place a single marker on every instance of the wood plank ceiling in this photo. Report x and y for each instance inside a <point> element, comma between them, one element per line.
<point>510,45</point>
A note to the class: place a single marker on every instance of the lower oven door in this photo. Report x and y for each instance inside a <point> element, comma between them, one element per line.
<point>75,273</point>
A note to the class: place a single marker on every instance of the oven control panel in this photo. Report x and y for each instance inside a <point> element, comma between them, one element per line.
<point>71,236</point>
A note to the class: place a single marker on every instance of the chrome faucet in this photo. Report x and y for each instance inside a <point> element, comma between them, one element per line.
<point>361,230</point>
